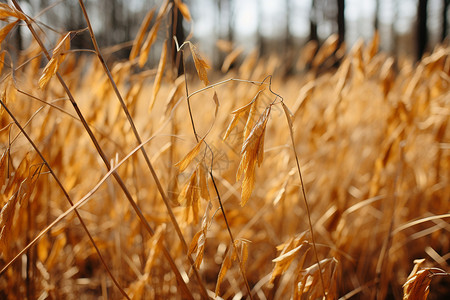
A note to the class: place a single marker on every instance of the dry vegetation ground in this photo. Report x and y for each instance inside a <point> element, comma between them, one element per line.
<point>372,141</point>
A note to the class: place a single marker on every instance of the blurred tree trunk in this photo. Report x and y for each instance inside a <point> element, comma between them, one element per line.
<point>313,22</point>
<point>288,42</point>
<point>341,20</point>
<point>260,38</point>
<point>376,23</point>
<point>176,30</point>
<point>229,6</point>
<point>287,34</point>
<point>444,19</point>
<point>422,32</point>
<point>18,39</point>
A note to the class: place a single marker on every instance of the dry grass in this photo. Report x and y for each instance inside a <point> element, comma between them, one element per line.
<point>349,168</point>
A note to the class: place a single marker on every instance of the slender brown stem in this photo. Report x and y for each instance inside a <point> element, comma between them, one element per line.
<point>144,153</point>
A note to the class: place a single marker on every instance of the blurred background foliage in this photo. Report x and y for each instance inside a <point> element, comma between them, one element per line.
<point>406,27</point>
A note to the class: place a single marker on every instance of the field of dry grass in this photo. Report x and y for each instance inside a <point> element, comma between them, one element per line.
<point>132,183</point>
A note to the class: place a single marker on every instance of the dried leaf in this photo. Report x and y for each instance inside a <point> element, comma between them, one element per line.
<point>387,75</point>
<point>244,108</point>
<point>3,164</point>
<point>249,156</point>
<point>200,238</point>
<point>57,247</point>
<point>281,195</point>
<point>57,58</point>
<point>202,179</point>
<point>288,253</point>
<point>224,45</point>
<point>257,131</point>
<point>2,60</point>
<point>200,64</point>
<point>174,95</point>
<point>223,270</point>
<point>140,36</point>
<point>231,126</point>
<point>216,102</point>
<point>231,58</point>
<point>248,183</point>
<point>193,246</point>
<point>163,9</point>
<point>244,252</point>
<point>289,256</point>
<point>249,64</point>
<point>289,115</point>
<point>260,151</point>
<point>328,47</point>
<point>238,113</point>
<point>307,55</point>
<point>43,248</point>
<point>189,197</point>
<point>154,244</point>
<point>183,10</point>
<point>372,47</point>
<point>185,196</point>
<point>250,120</point>
<point>182,164</point>
<point>151,38</point>
<point>6,222</point>
<point>159,75</point>
<point>5,30</point>
<point>308,279</point>
<point>251,116</point>
<point>8,11</point>
<point>356,54</point>
<point>417,286</point>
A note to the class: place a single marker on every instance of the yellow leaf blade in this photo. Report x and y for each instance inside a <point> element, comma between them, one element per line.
<point>6,29</point>
<point>232,125</point>
<point>231,58</point>
<point>151,38</point>
<point>223,270</point>
<point>159,75</point>
<point>8,11</point>
<point>200,64</point>
<point>2,60</point>
<point>182,164</point>
<point>328,47</point>
<point>183,10</point>
<point>6,221</point>
<point>174,95</point>
<point>141,33</point>
<point>202,178</point>
<point>58,57</point>
<point>248,182</point>
<point>193,246</point>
